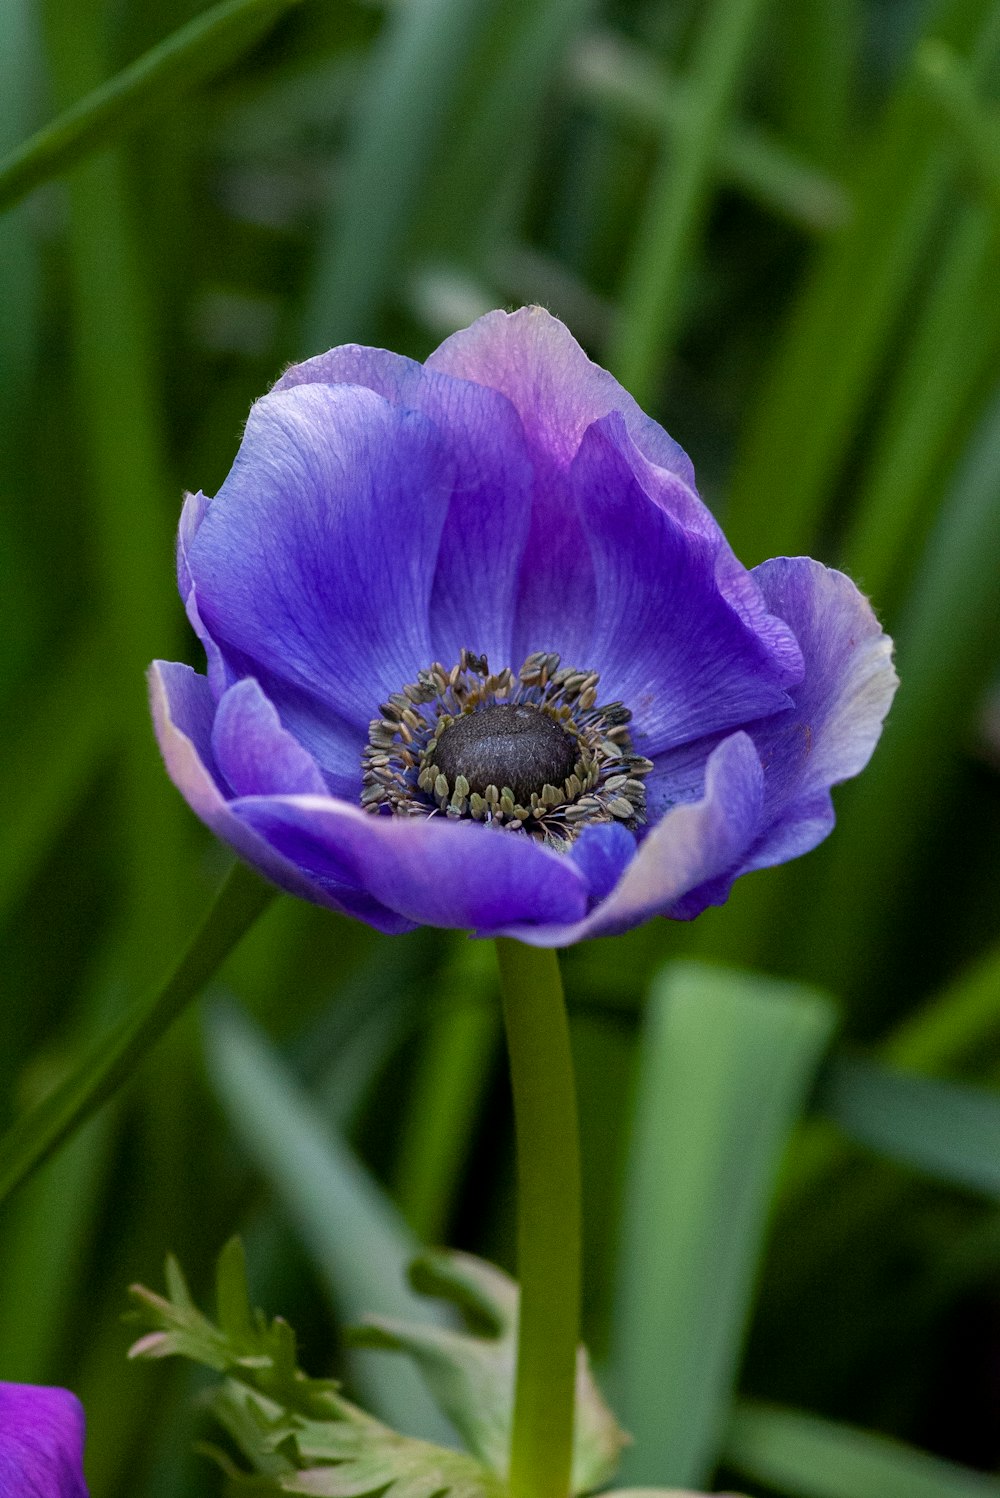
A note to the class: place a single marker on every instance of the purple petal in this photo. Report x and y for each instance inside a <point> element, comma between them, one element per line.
<point>556,390</point>
<point>665,639</point>
<point>316,558</point>
<point>431,871</point>
<point>41,1443</point>
<point>694,844</point>
<point>484,536</point>
<point>183,713</point>
<point>254,754</point>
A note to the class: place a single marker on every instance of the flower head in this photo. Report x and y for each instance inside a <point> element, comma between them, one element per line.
<point>480,657</point>
<point>41,1443</point>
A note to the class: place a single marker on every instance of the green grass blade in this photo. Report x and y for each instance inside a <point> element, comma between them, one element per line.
<point>819,39</point>
<point>959,1024</point>
<point>359,1243</point>
<point>414,74</point>
<point>726,1063</point>
<point>204,46</point>
<point>807,1457</point>
<point>948,1130</point>
<point>840,329</point>
<point>946,652</point>
<point>452,1072</point>
<point>113,1058</point>
<point>623,81</point>
<point>952,354</point>
<point>56,745</point>
<point>678,200</point>
<point>951,87</point>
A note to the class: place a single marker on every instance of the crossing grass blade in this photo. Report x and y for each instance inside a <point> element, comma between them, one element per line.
<point>208,44</point>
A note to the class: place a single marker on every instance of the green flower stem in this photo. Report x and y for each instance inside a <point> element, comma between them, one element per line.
<point>113,1057</point>
<point>549,1219</point>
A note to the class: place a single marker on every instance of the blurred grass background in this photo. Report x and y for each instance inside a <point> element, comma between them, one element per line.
<point>779,224</point>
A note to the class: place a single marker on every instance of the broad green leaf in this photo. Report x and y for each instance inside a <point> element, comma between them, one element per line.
<point>359,1243</point>
<point>113,1058</point>
<point>949,1130</point>
<point>204,46</point>
<point>807,1457</point>
<point>471,1373</point>
<point>727,1059</point>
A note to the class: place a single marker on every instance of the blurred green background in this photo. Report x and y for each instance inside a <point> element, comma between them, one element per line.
<point>779,225</point>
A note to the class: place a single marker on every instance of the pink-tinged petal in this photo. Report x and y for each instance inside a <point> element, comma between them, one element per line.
<point>431,871</point>
<point>41,1443</point>
<point>556,390</point>
<point>694,845</point>
<point>254,754</point>
<point>316,559</point>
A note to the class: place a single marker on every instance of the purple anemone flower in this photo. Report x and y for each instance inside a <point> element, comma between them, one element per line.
<point>480,657</point>
<point>41,1443</point>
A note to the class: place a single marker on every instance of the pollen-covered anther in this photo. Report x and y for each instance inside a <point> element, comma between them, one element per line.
<point>532,752</point>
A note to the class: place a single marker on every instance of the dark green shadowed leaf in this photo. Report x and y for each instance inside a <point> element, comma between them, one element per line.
<point>949,1130</point>
<point>807,1457</point>
<point>727,1060</point>
<point>206,45</point>
<point>471,1373</point>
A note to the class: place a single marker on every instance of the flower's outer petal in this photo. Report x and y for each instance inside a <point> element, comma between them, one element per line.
<point>316,558</point>
<point>254,754</point>
<point>183,712</point>
<point>475,584</point>
<point>41,1443</point>
<point>694,845</point>
<point>192,514</point>
<point>830,731</point>
<point>431,871</point>
<point>665,639</point>
<point>556,390</point>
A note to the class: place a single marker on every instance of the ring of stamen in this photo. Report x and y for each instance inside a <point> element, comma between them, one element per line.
<point>532,753</point>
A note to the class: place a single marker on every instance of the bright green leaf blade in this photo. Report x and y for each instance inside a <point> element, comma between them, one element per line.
<point>206,45</point>
<point>726,1061</point>
<point>112,1059</point>
<point>472,1376</point>
<point>359,1243</point>
<point>949,1130</point>
<point>807,1457</point>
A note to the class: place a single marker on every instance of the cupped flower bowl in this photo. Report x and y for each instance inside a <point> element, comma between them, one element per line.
<point>478,656</point>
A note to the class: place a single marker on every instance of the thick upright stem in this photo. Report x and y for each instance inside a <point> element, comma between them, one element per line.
<point>548,1168</point>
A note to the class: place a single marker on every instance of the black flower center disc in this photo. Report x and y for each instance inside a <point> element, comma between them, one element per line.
<point>509,744</point>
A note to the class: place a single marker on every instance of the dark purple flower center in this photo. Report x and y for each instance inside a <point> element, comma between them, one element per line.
<point>532,753</point>
<point>507,744</point>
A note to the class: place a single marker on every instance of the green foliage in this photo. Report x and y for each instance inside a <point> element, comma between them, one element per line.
<point>301,1436</point>
<point>781,221</point>
<point>471,1374</point>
